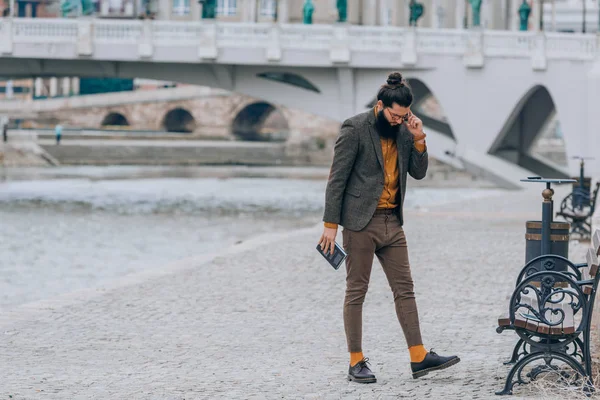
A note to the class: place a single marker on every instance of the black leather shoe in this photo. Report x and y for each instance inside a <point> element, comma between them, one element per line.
<point>361,373</point>
<point>432,362</point>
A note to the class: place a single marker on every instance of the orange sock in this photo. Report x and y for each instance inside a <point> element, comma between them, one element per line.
<point>417,353</point>
<point>355,358</point>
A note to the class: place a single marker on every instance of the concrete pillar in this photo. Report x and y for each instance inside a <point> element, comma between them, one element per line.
<point>369,12</point>
<point>434,15</point>
<point>534,17</point>
<point>486,14</point>
<point>66,86</point>
<point>400,13</point>
<point>252,6</point>
<point>354,12</point>
<point>512,14</point>
<point>195,10</point>
<point>426,21</point>
<point>75,85</point>
<point>383,12</point>
<point>460,14</point>
<point>38,87</point>
<point>164,9</point>
<point>449,10</point>
<point>53,87</point>
<point>283,15</point>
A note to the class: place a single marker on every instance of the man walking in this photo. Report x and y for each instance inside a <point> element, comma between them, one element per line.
<point>365,193</point>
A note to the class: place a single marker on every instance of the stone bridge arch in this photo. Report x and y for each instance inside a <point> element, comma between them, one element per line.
<point>531,136</point>
<point>114,118</point>
<point>179,119</point>
<point>257,120</point>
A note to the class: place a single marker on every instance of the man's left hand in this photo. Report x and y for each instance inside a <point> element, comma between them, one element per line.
<point>415,127</point>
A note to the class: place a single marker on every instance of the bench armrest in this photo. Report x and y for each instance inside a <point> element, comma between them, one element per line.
<point>585,282</point>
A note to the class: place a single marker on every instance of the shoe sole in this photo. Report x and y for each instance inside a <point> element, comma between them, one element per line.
<point>362,380</point>
<point>439,367</point>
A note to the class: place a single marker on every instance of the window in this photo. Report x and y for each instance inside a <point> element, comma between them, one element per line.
<point>226,7</point>
<point>268,8</point>
<point>181,7</point>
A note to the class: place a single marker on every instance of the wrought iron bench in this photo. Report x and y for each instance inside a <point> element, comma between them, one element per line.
<point>578,208</point>
<point>551,312</point>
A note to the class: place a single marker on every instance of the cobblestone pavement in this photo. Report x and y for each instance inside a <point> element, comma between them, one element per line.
<point>264,320</point>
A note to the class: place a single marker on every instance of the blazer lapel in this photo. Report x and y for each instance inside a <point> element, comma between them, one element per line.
<point>377,144</point>
<point>400,143</point>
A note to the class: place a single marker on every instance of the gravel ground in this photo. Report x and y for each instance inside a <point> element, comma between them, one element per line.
<point>263,320</point>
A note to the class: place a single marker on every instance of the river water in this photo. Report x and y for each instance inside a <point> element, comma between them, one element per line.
<point>71,228</point>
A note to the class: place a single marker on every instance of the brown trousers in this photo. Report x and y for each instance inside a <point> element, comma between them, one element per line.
<point>384,237</point>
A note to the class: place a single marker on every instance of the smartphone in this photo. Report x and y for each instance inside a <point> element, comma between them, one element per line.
<point>337,258</point>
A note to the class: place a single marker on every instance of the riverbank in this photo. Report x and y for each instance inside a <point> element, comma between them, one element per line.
<point>179,151</point>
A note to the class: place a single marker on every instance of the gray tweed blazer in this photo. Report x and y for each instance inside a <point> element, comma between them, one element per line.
<point>356,178</point>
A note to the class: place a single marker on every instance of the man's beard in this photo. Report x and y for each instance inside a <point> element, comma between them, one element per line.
<point>384,128</point>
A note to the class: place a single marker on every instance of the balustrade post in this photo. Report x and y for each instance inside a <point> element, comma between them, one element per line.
<point>75,86</point>
<point>274,48</point>
<point>474,57</point>
<point>538,55</point>
<point>145,45</point>
<point>207,46</point>
<point>283,11</point>
<point>6,36</point>
<point>409,54</point>
<point>85,46</point>
<point>340,49</point>
<point>38,87</point>
<point>53,87</point>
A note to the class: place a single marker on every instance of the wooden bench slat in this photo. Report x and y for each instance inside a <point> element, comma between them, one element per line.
<point>592,262</point>
<point>543,328</point>
<point>504,320</point>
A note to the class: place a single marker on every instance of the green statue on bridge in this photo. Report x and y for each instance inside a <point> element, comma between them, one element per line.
<point>416,12</point>
<point>76,8</point>
<point>342,7</point>
<point>476,7</point>
<point>308,10</point>
<point>524,12</point>
<point>209,9</point>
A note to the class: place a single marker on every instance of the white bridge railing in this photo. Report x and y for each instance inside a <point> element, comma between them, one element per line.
<point>341,41</point>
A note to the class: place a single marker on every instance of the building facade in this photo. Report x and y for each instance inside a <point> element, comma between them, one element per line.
<point>558,15</point>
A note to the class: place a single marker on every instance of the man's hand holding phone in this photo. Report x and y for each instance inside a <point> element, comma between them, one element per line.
<point>327,241</point>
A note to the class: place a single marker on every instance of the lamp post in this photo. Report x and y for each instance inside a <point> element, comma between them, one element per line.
<point>584,13</point>
<point>541,15</point>
<point>554,15</point>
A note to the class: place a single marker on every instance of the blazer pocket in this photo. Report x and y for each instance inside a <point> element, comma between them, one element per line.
<point>353,192</point>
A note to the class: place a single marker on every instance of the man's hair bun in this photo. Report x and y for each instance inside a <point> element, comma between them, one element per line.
<point>395,78</point>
